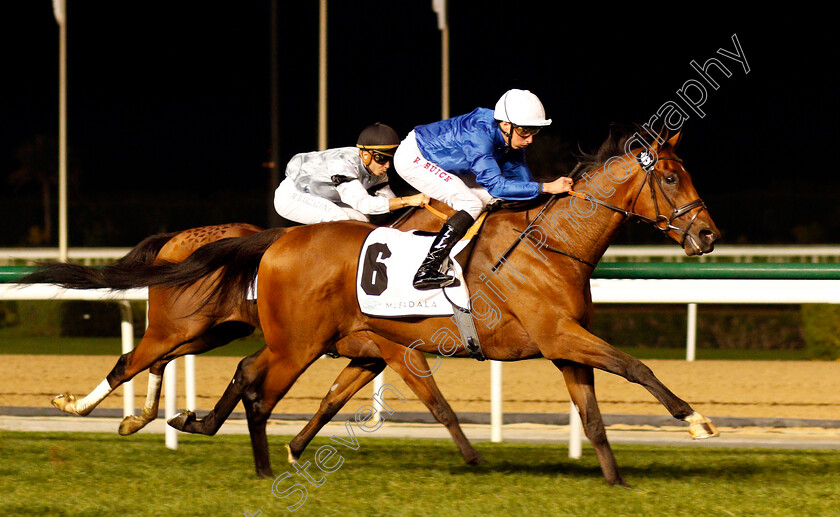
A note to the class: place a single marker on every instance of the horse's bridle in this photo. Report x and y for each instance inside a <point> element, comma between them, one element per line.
<point>652,180</point>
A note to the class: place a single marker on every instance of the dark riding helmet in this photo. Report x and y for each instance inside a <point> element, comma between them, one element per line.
<point>380,138</point>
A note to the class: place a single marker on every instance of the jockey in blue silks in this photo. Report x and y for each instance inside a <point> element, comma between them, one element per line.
<point>485,147</point>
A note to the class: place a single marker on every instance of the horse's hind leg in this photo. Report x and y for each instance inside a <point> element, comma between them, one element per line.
<point>427,390</point>
<point>249,373</point>
<point>580,380</point>
<point>151,348</point>
<point>248,386</point>
<point>282,371</point>
<point>133,423</point>
<point>351,379</point>
<point>360,372</point>
<point>579,346</point>
<point>215,337</point>
<point>171,325</point>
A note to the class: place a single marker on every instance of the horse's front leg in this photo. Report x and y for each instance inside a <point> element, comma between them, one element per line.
<point>249,372</point>
<point>351,379</point>
<point>580,346</point>
<point>427,390</point>
<point>580,380</point>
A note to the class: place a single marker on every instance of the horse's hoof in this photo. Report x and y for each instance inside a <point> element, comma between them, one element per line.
<point>181,420</point>
<point>265,474</point>
<point>475,460</point>
<point>291,457</point>
<point>701,427</point>
<point>65,402</point>
<point>132,424</point>
<point>619,483</point>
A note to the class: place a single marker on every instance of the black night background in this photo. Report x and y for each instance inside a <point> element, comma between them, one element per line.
<point>169,103</point>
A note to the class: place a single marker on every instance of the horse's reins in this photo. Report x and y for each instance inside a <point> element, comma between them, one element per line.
<point>676,213</point>
<point>437,213</point>
<point>513,246</point>
<point>403,217</point>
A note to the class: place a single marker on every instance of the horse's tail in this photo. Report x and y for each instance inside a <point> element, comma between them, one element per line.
<point>240,254</point>
<point>237,259</point>
<point>82,277</point>
<point>145,253</point>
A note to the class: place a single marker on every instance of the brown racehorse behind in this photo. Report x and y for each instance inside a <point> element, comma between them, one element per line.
<point>532,300</point>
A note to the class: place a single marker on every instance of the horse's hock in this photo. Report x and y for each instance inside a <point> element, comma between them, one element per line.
<point>758,389</point>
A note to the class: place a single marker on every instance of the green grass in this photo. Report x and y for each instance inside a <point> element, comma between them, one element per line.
<point>104,474</point>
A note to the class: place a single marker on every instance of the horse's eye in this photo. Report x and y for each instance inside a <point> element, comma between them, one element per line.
<point>670,179</point>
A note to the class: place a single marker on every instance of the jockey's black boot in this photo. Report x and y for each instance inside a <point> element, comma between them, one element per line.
<point>429,275</point>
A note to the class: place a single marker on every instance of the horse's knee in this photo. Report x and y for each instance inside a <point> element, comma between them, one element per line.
<point>638,372</point>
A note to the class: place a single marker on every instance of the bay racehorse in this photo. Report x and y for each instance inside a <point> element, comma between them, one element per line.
<point>177,326</point>
<point>528,275</point>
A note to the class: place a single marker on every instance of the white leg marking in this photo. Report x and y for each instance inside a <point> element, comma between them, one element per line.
<point>152,395</point>
<point>93,398</point>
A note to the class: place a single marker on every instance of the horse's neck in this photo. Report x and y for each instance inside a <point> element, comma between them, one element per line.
<point>600,226</point>
<point>568,224</point>
<point>583,229</point>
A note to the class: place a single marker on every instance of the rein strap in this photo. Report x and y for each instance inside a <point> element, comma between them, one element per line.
<point>652,180</point>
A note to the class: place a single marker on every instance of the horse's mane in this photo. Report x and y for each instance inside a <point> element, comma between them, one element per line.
<point>612,146</point>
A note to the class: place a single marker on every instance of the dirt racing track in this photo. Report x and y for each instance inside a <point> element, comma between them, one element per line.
<point>754,402</point>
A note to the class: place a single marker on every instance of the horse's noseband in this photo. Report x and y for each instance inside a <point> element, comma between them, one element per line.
<point>663,222</point>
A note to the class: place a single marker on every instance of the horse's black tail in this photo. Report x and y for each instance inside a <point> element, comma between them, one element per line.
<point>145,252</point>
<point>112,276</point>
<point>241,254</point>
<point>238,260</point>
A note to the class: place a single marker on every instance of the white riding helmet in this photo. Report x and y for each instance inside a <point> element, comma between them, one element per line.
<point>522,108</point>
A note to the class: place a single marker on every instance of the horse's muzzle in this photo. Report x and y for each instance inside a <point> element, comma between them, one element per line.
<point>702,242</point>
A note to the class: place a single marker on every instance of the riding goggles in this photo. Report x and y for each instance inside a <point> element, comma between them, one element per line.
<point>526,131</point>
<point>381,158</point>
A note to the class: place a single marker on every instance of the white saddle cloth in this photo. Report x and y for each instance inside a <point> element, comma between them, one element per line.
<point>387,264</point>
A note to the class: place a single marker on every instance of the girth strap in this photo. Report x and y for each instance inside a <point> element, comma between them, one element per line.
<point>463,319</point>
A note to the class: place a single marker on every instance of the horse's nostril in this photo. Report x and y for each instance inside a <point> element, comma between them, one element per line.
<point>708,236</point>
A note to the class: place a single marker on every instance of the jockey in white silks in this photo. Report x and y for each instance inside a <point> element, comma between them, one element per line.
<point>347,183</point>
<point>487,145</point>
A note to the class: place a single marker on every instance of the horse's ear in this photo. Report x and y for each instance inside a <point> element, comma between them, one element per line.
<point>674,141</point>
<point>661,137</point>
